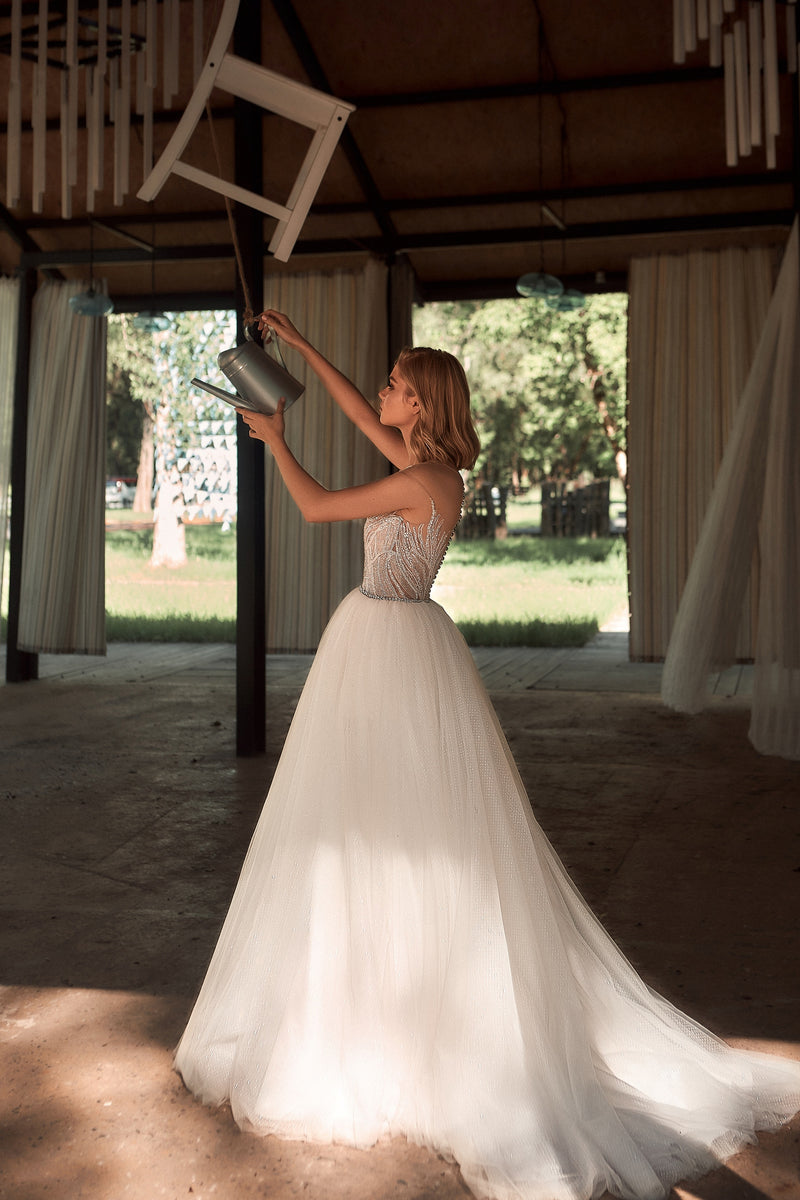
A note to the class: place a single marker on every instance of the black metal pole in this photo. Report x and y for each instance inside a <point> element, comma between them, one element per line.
<point>251,588</point>
<point>21,665</point>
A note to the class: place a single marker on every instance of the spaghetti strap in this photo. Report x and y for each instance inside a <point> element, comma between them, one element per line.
<point>416,479</point>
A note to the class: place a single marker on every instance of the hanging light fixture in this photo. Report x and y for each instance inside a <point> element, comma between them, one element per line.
<point>540,285</point>
<point>152,320</point>
<point>569,301</point>
<point>91,303</point>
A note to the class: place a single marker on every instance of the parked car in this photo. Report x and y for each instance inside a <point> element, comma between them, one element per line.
<point>120,492</point>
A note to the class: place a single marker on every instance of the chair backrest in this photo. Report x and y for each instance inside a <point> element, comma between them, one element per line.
<point>323,114</point>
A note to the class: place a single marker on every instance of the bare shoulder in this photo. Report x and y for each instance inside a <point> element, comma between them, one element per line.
<point>443,484</point>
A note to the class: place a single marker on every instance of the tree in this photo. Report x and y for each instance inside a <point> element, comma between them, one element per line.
<point>548,388</point>
<point>156,368</point>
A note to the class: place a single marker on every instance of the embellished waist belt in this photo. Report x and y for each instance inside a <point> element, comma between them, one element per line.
<point>402,599</point>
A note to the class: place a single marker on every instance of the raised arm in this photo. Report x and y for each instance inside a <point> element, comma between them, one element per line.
<point>350,400</point>
<point>396,493</point>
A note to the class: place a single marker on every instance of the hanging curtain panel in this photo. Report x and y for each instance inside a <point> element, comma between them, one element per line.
<point>694,324</point>
<point>755,502</point>
<point>62,606</point>
<point>9,308</point>
<point>311,567</point>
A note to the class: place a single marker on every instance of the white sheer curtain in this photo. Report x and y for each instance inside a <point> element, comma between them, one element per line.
<point>62,606</point>
<point>311,567</point>
<point>694,324</point>
<point>756,502</point>
<point>9,309</point>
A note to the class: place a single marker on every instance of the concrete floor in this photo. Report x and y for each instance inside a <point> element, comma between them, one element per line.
<point>125,820</point>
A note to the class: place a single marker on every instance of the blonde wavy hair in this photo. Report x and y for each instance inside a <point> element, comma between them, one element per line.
<point>444,431</point>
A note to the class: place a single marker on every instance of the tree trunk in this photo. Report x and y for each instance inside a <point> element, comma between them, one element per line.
<point>169,534</point>
<point>143,500</point>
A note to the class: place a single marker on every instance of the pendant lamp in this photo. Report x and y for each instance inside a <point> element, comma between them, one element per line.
<point>540,286</point>
<point>569,301</point>
<point>91,303</point>
<point>152,320</point>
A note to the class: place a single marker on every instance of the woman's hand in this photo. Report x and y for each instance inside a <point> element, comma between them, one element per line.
<point>283,327</point>
<point>269,430</point>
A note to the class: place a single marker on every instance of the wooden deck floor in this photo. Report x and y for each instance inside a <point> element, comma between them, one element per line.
<point>601,666</point>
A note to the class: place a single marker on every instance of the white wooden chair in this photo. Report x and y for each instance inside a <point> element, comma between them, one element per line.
<point>324,114</point>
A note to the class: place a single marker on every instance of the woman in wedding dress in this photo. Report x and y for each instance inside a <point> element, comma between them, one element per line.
<point>404,954</point>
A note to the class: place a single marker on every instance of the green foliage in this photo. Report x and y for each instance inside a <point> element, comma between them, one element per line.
<point>548,388</point>
<point>125,422</point>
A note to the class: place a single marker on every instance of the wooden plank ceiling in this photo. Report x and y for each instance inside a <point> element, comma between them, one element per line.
<point>441,159</point>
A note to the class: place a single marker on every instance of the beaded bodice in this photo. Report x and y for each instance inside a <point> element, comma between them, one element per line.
<point>401,560</point>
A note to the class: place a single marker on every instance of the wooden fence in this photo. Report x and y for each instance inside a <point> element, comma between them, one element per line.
<point>579,512</point>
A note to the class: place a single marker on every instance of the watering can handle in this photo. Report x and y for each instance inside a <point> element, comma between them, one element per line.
<point>264,341</point>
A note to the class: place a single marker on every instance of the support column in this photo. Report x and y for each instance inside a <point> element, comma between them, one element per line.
<point>401,290</point>
<point>251,521</point>
<point>21,665</point>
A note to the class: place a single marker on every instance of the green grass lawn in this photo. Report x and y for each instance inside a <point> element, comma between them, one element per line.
<point>195,603</point>
<point>533,591</point>
<point>518,591</point>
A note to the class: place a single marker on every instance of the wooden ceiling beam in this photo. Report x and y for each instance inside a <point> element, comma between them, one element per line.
<point>647,227</point>
<point>117,224</point>
<point>538,87</point>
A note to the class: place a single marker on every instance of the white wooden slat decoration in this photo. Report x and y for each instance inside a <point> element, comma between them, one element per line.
<point>102,38</point>
<point>124,106</point>
<point>756,48</point>
<point>689,26</point>
<point>151,45</point>
<point>171,38</point>
<point>743,39</point>
<point>114,106</point>
<point>742,88</point>
<point>702,20</point>
<point>678,43</point>
<point>39,115</point>
<point>71,55</point>
<point>99,121</point>
<point>140,22</point>
<point>131,49</point>
<point>13,145</point>
<point>66,192</point>
<point>729,66</point>
<point>772,111</point>
<point>91,140</point>
<point>147,132</point>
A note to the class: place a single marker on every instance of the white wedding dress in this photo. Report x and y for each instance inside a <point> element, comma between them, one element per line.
<point>405,955</point>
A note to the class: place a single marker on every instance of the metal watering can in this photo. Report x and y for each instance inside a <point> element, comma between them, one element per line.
<point>259,379</point>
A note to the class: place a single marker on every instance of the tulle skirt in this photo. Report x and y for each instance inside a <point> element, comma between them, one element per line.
<point>405,955</point>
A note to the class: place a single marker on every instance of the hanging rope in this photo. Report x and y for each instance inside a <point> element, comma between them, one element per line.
<point>248,316</point>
